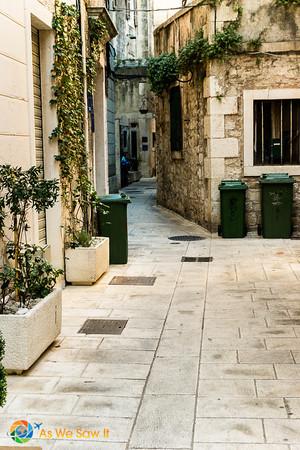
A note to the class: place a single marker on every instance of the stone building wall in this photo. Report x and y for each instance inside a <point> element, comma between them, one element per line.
<point>214,108</point>
<point>237,75</point>
<point>181,183</point>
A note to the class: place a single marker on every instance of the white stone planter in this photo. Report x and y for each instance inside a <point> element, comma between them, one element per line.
<point>28,336</point>
<point>85,265</point>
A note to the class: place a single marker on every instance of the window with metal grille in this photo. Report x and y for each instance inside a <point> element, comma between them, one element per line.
<point>277,132</point>
<point>176,119</point>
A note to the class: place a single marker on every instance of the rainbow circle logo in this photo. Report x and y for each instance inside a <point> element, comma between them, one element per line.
<point>21,431</point>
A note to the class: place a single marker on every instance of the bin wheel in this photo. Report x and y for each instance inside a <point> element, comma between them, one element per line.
<point>219,230</point>
<point>259,230</point>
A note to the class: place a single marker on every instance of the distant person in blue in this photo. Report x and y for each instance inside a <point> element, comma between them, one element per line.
<point>125,166</point>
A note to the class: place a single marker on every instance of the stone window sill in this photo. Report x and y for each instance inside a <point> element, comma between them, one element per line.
<point>253,171</point>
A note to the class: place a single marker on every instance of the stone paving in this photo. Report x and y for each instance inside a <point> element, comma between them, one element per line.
<point>209,359</point>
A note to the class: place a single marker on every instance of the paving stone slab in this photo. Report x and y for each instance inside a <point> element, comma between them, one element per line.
<point>265,356</point>
<point>42,404</point>
<point>214,356</point>
<point>229,430</point>
<point>173,376</point>
<point>101,386</point>
<point>164,422</point>
<point>224,388</point>
<point>234,446</point>
<point>278,388</point>
<point>104,406</point>
<point>285,431</point>
<point>287,371</point>
<point>32,385</point>
<point>248,408</point>
<point>233,343</point>
<point>127,371</point>
<point>237,371</point>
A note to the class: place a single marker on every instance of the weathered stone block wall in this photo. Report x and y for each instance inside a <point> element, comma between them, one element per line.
<point>213,109</point>
<point>238,74</point>
<point>181,183</point>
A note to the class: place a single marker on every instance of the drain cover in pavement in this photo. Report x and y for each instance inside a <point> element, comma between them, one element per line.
<point>198,259</point>
<point>187,238</point>
<point>133,281</point>
<point>100,326</point>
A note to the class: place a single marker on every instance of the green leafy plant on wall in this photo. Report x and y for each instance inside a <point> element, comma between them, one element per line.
<point>3,384</point>
<point>198,50</point>
<point>162,71</point>
<point>193,54</point>
<point>97,32</point>
<point>79,197</point>
<point>166,68</point>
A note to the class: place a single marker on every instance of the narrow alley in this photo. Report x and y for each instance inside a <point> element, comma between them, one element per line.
<point>208,359</point>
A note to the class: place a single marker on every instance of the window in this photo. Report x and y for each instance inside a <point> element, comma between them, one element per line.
<point>277,132</point>
<point>176,119</point>
<point>271,131</point>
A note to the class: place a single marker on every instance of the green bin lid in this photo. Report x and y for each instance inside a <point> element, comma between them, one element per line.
<point>115,198</point>
<point>229,185</point>
<point>276,178</point>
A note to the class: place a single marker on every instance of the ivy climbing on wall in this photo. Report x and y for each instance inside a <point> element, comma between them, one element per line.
<point>97,32</point>
<point>166,68</point>
<point>78,194</point>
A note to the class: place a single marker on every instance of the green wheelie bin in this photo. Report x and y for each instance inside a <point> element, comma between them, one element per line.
<point>233,209</point>
<point>276,205</point>
<point>114,225</point>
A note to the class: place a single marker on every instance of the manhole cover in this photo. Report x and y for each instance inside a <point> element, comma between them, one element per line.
<point>133,281</point>
<point>187,238</point>
<point>100,326</point>
<point>197,259</point>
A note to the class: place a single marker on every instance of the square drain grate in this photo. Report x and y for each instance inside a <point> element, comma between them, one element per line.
<point>101,326</point>
<point>133,281</point>
<point>197,259</point>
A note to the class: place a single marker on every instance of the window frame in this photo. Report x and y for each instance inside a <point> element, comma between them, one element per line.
<point>249,97</point>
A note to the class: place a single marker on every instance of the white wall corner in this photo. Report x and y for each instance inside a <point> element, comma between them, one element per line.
<point>214,126</point>
<point>211,87</point>
<point>224,105</point>
<point>217,168</point>
<point>223,148</point>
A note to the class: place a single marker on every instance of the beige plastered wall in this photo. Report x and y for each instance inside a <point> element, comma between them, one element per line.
<point>17,137</point>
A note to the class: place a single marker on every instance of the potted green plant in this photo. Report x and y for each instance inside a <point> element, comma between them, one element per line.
<point>86,256</point>
<point>30,306</point>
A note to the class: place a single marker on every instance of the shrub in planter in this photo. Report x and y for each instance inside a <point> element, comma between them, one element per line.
<point>26,278</point>
<point>87,256</point>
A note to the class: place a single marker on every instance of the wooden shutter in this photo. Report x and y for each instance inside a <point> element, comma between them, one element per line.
<point>38,125</point>
<point>176,119</point>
